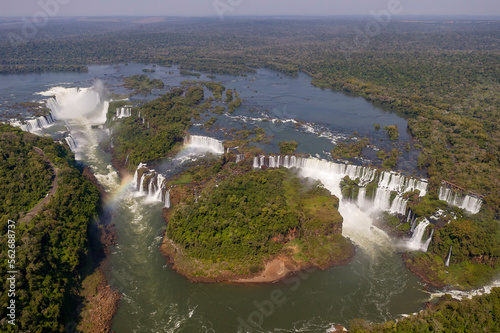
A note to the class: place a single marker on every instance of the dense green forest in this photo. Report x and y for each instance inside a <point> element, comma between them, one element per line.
<point>162,124</point>
<point>243,218</point>
<point>443,76</point>
<point>50,247</point>
<point>479,314</point>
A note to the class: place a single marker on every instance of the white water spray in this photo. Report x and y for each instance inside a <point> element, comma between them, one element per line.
<point>38,123</point>
<point>448,258</point>
<point>468,202</point>
<point>123,112</point>
<point>416,242</point>
<point>205,143</point>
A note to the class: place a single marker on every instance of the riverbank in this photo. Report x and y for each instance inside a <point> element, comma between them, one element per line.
<point>275,269</point>
<point>99,300</point>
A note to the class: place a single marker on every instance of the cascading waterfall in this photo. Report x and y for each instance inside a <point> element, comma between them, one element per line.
<point>398,205</point>
<point>141,184</point>
<point>123,112</point>
<point>357,223</point>
<point>256,162</point>
<point>71,143</point>
<point>262,161</point>
<point>240,157</point>
<point>412,219</point>
<point>454,198</point>
<point>382,199</point>
<point>361,197</point>
<point>77,103</point>
<point>205,143</point>
<point>416,243</point>
<point>167,199</point>
<point>152,185</point>
<point>387,182</point>
<point>425,247</point>
<point>447,262</point>
<point>38,123</point>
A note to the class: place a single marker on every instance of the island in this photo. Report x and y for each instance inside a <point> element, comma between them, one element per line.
<point>232,223</point>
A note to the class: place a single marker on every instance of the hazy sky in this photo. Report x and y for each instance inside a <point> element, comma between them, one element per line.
<point>29,8</point>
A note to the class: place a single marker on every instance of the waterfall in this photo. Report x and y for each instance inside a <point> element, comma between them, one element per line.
<point>38,123</point>
<point>408,217</point>
<point>447,262</point>
<point>123,112</point>
<point>412,219</point>
<point>167,199</point>
<point>71,142</point>
<point>333,172</point>
<point>454,198</point>
<point>361,197</point>
<point>255,162</point>
<point>141,184</point>
<point>240,157</point>
<point>286,162</point>
<point>262,161</point>
<point>156,185</point>
<point>398,205</point>
<point>76,103</point>
<point>382,199</point>
<point>416,243</point>
<point>357,223</point>
<point>206,143</point>
<point>425,247</point>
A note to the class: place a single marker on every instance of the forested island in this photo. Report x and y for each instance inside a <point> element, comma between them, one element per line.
<point>234,224</point>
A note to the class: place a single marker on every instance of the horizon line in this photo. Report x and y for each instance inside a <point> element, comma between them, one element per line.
<point>268,16</point>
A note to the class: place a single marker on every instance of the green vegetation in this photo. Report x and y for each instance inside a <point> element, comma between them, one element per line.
<point>195,95</point>
<point>391,159</point>
<point>448,90</point>
<point>479,314</point>
<point>229,96</point>
<point>288,147</point>
<point>142,84</point>
<point>209,123</point>
<point>216,88</point>
<point>350,188</point>
<point>51,247</point>
<point>246,217</point>
<point>475,254</point>
<point>168,118</point>
<point>188,73</point>
<point>242,138</point>
<point>26,176</point>
<point>392,132</point>
<point>350,150</point>
<point>234,105</point>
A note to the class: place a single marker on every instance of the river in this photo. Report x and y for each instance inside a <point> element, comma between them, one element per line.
<point>375,285</point>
